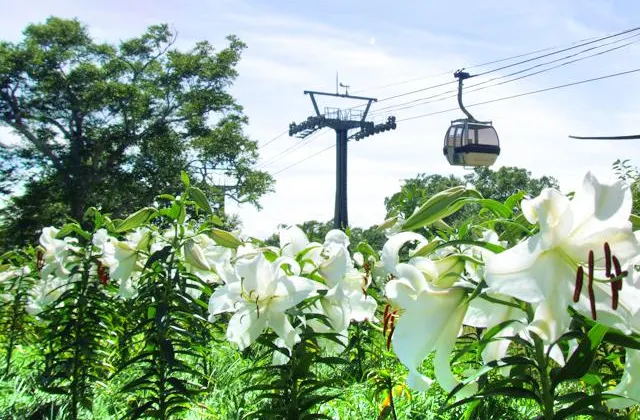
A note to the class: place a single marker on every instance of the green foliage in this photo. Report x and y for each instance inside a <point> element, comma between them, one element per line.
<point>536,376</point>
<point>630,174</point>
<point>439,206</point>
<point>155,355</point>
<point>110,125</point>
<point>16,280</point>
<point>75,328</point>
<point>295,389</point>
<point>316,232</point>
<point>497,185</point>
<point>169,334</point>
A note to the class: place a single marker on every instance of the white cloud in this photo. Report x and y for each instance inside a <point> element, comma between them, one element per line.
<point>291,52</point>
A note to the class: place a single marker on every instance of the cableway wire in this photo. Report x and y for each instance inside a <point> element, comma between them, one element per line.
<point>296,146</point>
<point>573,45</point>
<point>305,159</point>
<point>273,139</point>
<point>582,44</point>
<point>523,94</point>
<point>473,66</point>
<point>453,93</point>
<point>477,104</point>
<point>290,149</point>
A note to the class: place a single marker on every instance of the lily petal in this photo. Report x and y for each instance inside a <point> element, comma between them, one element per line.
<point>392,247</point>
<point>629,385</point>
<point>517,271</point>
<point>444,347</point>
<point>422,323</point>
<point>245,326</point>
<point>292,240</point>
<point>280,323</point>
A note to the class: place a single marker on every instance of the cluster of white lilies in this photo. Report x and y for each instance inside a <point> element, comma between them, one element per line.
<point>581,257</point>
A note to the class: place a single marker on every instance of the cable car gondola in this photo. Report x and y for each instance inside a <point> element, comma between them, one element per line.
<point>470,142</point>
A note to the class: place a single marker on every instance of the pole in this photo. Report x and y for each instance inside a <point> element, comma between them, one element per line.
<point>341,218</point>
<point>341,123</point>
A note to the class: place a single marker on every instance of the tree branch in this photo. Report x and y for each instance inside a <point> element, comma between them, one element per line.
<point>15,121</point>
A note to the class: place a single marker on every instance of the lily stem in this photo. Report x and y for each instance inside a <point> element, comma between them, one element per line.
<point>547,392</point>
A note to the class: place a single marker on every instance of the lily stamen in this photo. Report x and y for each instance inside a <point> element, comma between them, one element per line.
<point>393,327</point>
<point>618,283</point>
<point>607,259</point>
<point>385,318</point>
<point>592,296</point>
<point>614,293</point>
<point>579,281</point>
<point>616,265</point>
<point>103,274</point>
<point>40,260</point>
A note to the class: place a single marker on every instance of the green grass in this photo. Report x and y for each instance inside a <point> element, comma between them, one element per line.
<point>21,398</point>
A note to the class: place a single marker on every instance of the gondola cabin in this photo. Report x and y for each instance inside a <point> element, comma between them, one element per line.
<point>471,143</point>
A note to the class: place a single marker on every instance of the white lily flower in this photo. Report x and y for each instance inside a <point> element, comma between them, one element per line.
<point>485,314</point>
<point>202,255</point>
<point>542,269</point>
<point>123,258</point>
<point>391,249</point>
<point>331,259</point>
<point>430,320</point>
<point>259,296</point>
<point>292,240</point>
<point>629,385</point>
<point>57,253</point>
<point>344,303</point>
<point>45,292</point>
<point>474,269</point>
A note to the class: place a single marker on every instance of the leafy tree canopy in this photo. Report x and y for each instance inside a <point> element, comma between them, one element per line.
<point>113,125</point>
<point>495,184</point>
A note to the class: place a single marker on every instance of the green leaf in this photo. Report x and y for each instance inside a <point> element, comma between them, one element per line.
<point>366,249</point>
<point>185,179</point>
<point>514,199</point>
<point>137,219</point>
<point>426,249</point>
<point>507,391</point>
<point>580,361</point>
<point>166,197</point>
<point>215,220</point>
<point>496,207</point>
<point>500,363</point>
<point>623,340</point>
<point>635,222</point>
<point>224,238</point>
<point>200,199</point>
<point>387,223</point>
<point>482,244</point>
<point>440,205</point>
<point>70,228</point>
<point>160,255</point>
<point>151,312</point>
<point>582,406</point>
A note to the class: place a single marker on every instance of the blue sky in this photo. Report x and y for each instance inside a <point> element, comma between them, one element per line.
<point>299,45</point>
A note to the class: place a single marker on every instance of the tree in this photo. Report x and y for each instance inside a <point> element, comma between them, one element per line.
<point>497,185</point>
<point>112,126</point>
<point>506,181</point>
<point>416,191</point>
<point>629,174</point>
